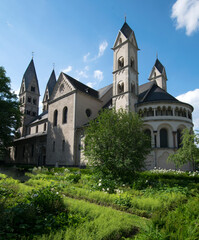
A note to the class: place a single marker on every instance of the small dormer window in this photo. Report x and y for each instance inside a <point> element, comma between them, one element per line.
<point>46,97</point>
<point>120,41</point>
<point>120,62</point>
<point>32,89</point>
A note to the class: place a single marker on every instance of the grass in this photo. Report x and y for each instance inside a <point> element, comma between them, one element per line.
<point>158,205</point>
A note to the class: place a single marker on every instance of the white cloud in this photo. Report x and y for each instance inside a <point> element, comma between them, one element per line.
<point>192,97</point>
<point>91,84</point>
<point>68,69</point>
<point>102,48</point>
<point>98,75</point>
<point>9,24</point>
<point>86,57</point>
<point>186,14</point>
<point>83,73</point>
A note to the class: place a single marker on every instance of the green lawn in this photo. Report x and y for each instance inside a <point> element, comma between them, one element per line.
<point>72,204</point>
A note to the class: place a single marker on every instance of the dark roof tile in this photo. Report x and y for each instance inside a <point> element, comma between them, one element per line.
<point>126,30</point>
<point>82,87</point>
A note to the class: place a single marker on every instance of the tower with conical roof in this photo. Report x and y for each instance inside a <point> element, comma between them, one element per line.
<point>158,74</point>
<point>125,70</point>
<point>29,97</point>
<point>49,89</point>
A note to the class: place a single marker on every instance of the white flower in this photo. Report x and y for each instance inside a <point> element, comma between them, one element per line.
<point>107,189</point>
<point>99,184</point>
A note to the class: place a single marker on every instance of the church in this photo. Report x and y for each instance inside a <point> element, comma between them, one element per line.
<point>55,136</point>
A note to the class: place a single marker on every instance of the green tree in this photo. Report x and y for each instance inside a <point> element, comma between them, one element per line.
<point>188,152</point>
<point>116,145</point>
<point>9,112</point>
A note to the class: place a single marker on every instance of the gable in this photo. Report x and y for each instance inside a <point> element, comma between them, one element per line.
<point>62,87</point>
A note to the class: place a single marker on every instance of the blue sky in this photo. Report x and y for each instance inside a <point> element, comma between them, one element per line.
<point>77,37</point>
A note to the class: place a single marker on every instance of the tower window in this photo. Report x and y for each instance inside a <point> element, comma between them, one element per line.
<point>46,97</point>
<point>32,89</point>
<point>65,115</point>
<point>28,112</point>
<point>34,101</point>
<point>120,88</point>
<point>132,63</point>
<point>29,99</point>
<point>34,114</point>
<point>55,118</point>
<point>120,62</point>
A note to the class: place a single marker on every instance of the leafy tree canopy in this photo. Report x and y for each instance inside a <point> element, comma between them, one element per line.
<point>116,145</point>
<point>9,111</point>
<point>188,152</point>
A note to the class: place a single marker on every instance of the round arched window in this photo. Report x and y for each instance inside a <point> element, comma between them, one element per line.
<point>88,112</point>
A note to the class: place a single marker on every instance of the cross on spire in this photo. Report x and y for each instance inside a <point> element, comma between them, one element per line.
<point>125,18</point>
<point>32,55</point>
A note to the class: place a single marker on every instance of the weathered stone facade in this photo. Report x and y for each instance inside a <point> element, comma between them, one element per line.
<point>55,136</point>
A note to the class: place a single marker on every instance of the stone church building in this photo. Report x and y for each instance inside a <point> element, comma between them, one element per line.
<point>55,136</point>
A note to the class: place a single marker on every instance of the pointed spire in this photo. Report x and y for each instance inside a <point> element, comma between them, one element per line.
<point>159,65</point>
<point>126,30</point>
<point>51,83</point>
<point>30,74</point>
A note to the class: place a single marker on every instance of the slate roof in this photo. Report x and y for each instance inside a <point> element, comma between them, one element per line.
<point>30,74</point>
<point>126,30</point>
<point>159,66</point>
<point>51,83</point>
<point>104,90</point>
<point>40,117</point>
<point>155,93</point>
<point>82,87</point>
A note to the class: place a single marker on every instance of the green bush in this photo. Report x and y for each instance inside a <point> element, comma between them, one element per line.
<point>40,212</point>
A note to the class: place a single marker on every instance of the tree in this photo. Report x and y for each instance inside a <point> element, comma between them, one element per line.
<point>9,112</point>
<point>188,151</point>
<point>116,145</point>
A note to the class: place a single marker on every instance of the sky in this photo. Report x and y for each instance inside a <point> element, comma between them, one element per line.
<point>76,37</point>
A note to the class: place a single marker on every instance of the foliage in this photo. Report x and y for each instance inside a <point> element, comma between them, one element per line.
<point>188,152</point>
<point>116,145</point>
<point>9,112</point>
<point>39,212</point>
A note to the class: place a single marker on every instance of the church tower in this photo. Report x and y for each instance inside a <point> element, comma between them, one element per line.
<point>125,70</point>
<point>158,74</point>
<point>49,89</point>
<point>29,97</point>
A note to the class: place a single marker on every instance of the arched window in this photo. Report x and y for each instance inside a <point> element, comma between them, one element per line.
<point>65,115</point>
<point>55,118</point>
<point>169,111</point>
<point>179,138</point>
<point>44,127</point>
<point>148,133</point>
<point>120,88</point>
<point>163,138</point>
<point>150,112</point>
<point>158,111</point>
<point>132,63</point>
<point>88,112</point>
<point>120,62</point>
